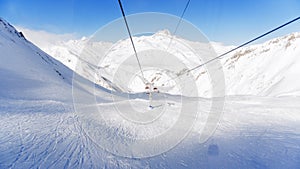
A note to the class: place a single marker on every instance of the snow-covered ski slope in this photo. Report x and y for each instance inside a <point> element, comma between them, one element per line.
<point>39,129</point>
<point>253,133</point>
<point>27,72</point>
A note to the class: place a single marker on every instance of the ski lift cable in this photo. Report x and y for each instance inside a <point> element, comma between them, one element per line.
<point>186,71</point>
<point>244,44</point>
<point>179,22</point>
<point>133,46</point>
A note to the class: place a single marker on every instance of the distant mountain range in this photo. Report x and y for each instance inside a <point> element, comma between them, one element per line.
<point>267,69</point>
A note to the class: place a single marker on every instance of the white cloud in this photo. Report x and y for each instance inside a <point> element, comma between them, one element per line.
<point>45,39</point>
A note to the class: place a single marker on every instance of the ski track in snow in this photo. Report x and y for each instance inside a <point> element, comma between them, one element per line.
<point>252,133</point>
<point>48,140</point>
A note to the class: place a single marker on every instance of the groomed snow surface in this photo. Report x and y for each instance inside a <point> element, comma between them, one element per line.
<point>253,133</point>
<point>39,129</point>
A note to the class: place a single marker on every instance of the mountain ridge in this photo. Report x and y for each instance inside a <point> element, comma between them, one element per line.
<point>239,81</point>
<point>28,72</point>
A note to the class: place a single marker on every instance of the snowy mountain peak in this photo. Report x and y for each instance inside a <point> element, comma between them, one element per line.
<point>165,32</point>
<point>7,27</point>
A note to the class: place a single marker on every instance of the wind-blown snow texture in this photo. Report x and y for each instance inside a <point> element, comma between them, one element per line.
<point>38,128</point>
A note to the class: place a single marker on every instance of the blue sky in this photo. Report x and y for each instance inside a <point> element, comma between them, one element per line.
<point>227,21</point>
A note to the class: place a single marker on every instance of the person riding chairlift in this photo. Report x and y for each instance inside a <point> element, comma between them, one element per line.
<point>149,89</point>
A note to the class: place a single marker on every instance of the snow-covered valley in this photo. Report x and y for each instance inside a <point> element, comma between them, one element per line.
<point>42,124</point>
